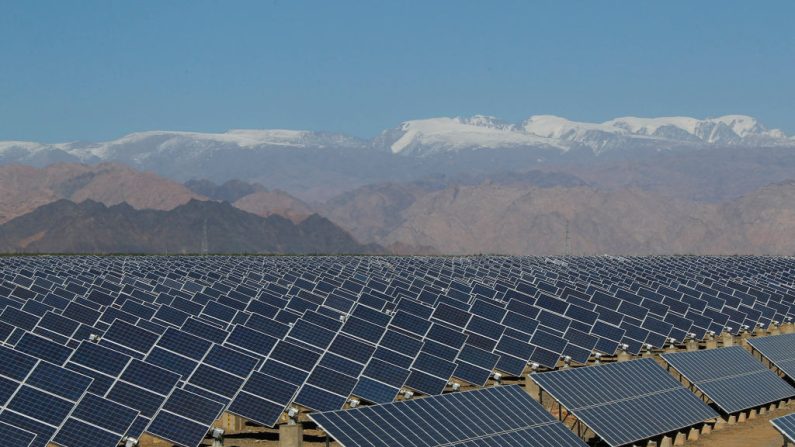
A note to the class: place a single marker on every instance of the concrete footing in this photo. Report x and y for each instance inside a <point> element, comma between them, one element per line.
<point>732,419</point>
<point>706,429</point>
<point>692,345</point>
<point>680,438</point>
<point>752,413</point>
<point>666,441</point>
<point>291,435</point>
<point>693,434</point>
<point>711,343</point>
<point>623,356</point>
<point>762,411</point>
<point>741,417</point>
<point>728,339</point>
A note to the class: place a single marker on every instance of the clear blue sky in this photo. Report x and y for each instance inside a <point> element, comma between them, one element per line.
<point>94,70</point>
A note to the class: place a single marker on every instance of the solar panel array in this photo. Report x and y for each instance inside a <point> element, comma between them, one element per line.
<point>183,339</point>
<point>625,402</point>
<point>730,377</point>
<point>779,350</point>
<point>495,416</point>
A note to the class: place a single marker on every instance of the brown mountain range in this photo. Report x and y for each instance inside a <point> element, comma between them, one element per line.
<point>197,226</point>
<point>23,188</point>
<point>524,219</point>
<point>536,212</point>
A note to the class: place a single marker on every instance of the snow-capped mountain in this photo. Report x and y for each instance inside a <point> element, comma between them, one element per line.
<point>424,137</point>
<point>141,146</point>
<point>320,164</point>
<point>431,136</point>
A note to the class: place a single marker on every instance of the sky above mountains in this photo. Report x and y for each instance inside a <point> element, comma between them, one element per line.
<point>96,70</point>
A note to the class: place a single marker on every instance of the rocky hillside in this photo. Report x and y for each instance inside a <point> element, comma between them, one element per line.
<point>91,227</point>
<point>23,188</point>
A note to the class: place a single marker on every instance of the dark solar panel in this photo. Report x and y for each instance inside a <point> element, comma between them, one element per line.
<point>499,416</point>
<point>730,377</point>
<point>632,392</point>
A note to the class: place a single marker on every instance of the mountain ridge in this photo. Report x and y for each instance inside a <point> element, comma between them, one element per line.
<point>64,226</point>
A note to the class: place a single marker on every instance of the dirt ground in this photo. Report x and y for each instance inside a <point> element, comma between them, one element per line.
<point>754,432</point>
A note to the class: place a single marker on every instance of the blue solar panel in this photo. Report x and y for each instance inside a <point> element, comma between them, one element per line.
<point>779,350</point>
<point>318,399</point>
<point>150,377</point>
<point>230,360</point>
<point>434,365</point>
<point>15,365</point>
<point>44,349</point>
<point>105,414</point>
<point>193,406</point>
<point>139,399</point>
<point>786,425</point>
<point>425,383</point>
<point>374,391</point>
<point>500,416</point>
<point>256,409</point>
<point>43,431</point>
<point>311,334</point>
<point>41,406</point>
<point>294,355</point>
<point>216,381</point>
<point>184,343</point>
<point>75,433</point>
<point>59,381</point>
<point>172,362</point>
<point>130,336</point>
<point>341,364</point>
<point>620,402</point>
<point>178,430</point>
<point>730,377</point>
<point>15,436</point>
<point>251,340</point>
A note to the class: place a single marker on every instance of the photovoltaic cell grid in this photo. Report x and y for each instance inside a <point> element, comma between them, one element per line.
<point>504,416</point>
<point>730,377</point>
<point>455,319</point>
<point>786,425</point>
<point>625,402</point>
<point>779,350</point>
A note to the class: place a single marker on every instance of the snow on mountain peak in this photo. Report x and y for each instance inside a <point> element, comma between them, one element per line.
<point>458,133</point>
<point>434,135</point>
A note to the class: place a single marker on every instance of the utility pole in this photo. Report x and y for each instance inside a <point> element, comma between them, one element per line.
<point>205,248</point>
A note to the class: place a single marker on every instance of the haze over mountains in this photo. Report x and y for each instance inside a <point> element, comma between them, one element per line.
<point>545,185</point>
<point>316,166</point>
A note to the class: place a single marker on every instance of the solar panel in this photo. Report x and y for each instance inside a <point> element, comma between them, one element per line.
<point>15,436</point>
<point>786,425</point>
<point>263,399</point>
<point>503,416</point>
<point>193,406</point>
<point>621,402</point>
<point>76,433</point>
<point>730,377</point>
<point>58,381</point>
<point>105,414</point>
<point>779,350</point>
<point>178,430</point>
<point>43,431</point>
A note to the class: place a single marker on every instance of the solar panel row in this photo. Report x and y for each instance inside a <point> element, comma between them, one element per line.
<point>325,329</point>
